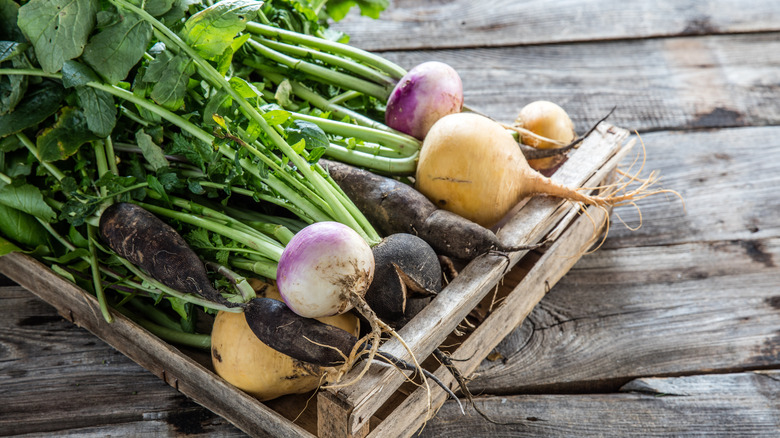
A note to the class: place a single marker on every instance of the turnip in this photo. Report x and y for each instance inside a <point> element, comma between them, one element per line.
<point>264,370</point>
<point>472,166</point>
<point>324,270</point>
<point>546,126</point>
<point>425,94</point>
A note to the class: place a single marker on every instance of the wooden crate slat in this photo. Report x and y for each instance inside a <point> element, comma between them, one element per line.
<point>406,419</point>
<point>157,356</point>
<point>428,329</point>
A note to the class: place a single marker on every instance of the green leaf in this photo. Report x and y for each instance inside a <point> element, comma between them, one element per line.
<point>66,136</point>
<point>28,199</point>
<point>220,104</point>
<point>338,9</point>
<point>9,15</point>
<point>153,154</point>
<point>276,117</point>
<point>244,88</point>
<point>313,135</point>
<point>12,88</point>
<point>22,228</point>
<point>36,106</point>
<point>119,47</point>
<point>70,256</point>
<point>99,110</point>
<point>170,75</point>
<point>76,74</point>
<point>155,8</point>
<point>77,239</point>
<point>315,155</point>
<point>211,31</point>
<point>195,151</point>
<point>58,29</point>
<point>7,247</point>
<point>156,186</point>
<point>9,49</point>
<point>298,146</point>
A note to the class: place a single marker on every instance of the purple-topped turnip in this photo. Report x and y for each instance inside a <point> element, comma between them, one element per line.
<point>324,268</point>
<point>425,94</point>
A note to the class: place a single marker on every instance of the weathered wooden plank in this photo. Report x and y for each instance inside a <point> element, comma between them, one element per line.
<point>729,405</point>
<point>727,180</point>
<point>437,24</point>
<point>57,379</point>
<point>632,312</point>
<point>656,84</point>
<point>162,359</point>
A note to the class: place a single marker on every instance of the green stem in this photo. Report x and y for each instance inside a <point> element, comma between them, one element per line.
<point>382,84</point>
<point>264,268</point>
<point>390,140</point>
<point>96,281</point>
<point>189,298</point>
<point>155,315</point>
<point>169,335</point>
<point>379,164</point>
<point>269,249</point>
<point>305,93</point>
<point>393,70</point>
<point>34,150</point>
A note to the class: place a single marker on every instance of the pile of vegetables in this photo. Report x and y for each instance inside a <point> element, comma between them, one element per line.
<point>183,160</point>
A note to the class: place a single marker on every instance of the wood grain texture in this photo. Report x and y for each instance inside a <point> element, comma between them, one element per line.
<point>657,84</point>
<point>691,290</point>
<point>726,405</point>
<point>438,24</point>
<point>57,379</point>
<point>183,372</point>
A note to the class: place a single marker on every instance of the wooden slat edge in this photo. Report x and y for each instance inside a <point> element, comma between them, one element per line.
<point>427,330</point>
<point>155,355</point>
<point>412,413</point>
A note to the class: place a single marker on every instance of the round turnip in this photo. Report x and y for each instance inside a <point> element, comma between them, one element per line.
<point>548,120</point>
<point>324,268</point>
<point>425,94</point>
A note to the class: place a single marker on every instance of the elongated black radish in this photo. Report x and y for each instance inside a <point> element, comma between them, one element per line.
<point>394,207</point>
<point>312,341</point>
<point>154,246</point>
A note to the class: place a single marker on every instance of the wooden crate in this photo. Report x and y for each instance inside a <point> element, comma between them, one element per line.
<point>382,403</point>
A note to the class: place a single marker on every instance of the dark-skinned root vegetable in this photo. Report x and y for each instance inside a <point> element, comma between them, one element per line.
<point>312,341</point>
<point>239,357</point>
<point>154,246</point>
<point>325,269</point>
<point>394,207</point>
<point>422,96</point>
<point>406,266</point>
<point>471,166</point>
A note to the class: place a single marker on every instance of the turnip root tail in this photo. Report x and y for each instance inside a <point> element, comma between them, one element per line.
<point>614,195</point>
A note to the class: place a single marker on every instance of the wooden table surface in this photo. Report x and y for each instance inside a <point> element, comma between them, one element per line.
<point>672,329</point>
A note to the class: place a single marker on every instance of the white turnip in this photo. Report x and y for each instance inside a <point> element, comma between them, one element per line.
<point>324,269</point>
